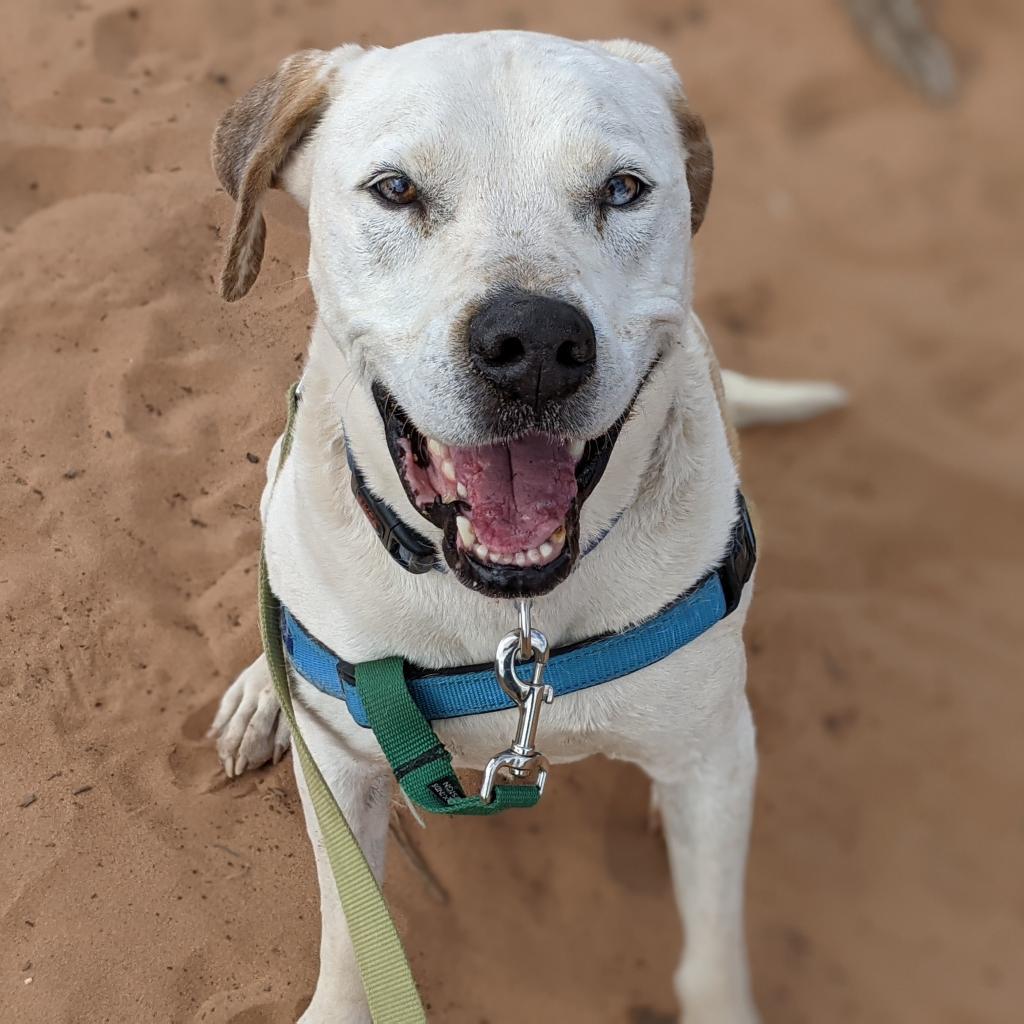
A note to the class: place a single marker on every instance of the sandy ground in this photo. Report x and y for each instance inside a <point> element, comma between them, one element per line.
<point>855,233</point>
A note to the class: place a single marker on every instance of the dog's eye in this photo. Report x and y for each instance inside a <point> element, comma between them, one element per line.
<point>622,189</point>
<point>397,189</point>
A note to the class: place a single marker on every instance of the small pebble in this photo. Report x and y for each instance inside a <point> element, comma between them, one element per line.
<point>28,800</point>
<point>252,457</point>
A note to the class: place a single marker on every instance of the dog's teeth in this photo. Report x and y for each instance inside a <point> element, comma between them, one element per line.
<point>558,537</point>
<point>466,531</point>
<point>481,552</point>
<point>520,558</point>
<point>448,469</point>
<point>533,555</point>
<point>436,448</point>
<point>461,488</point>
<point>546,550</point>
<point>576,449</point>
<point>496,557</point>
<point>448,497</point>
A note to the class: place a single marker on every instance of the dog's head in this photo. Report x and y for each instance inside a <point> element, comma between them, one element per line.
<point>500,231</point>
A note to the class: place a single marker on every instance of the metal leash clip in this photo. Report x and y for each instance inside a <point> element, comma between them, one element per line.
<point>522,758</point>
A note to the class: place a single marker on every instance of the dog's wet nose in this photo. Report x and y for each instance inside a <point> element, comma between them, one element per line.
<point>531,347</point>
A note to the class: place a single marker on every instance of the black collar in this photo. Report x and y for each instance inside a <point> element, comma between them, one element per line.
<point>410,549</point>
<point>414,553</point>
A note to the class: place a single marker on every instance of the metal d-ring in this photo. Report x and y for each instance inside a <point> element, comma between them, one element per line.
<point>526,629</point>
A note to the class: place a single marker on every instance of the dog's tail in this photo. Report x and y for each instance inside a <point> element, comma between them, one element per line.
<point>753,400</point>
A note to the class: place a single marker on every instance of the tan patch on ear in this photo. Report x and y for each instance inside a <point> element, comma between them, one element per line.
<point>700,161</point>
<point>250,146</point>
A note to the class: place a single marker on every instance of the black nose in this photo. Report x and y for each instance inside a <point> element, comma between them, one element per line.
<point>531,347</point>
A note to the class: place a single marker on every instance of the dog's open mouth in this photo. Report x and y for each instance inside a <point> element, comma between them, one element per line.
<point>510,511</point>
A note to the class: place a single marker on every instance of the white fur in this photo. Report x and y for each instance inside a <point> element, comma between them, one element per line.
<point>502,125</point>
<point>753,400</point>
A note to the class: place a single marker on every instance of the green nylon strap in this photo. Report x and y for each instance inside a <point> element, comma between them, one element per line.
<point>387,978</point>
<point>420,762</point>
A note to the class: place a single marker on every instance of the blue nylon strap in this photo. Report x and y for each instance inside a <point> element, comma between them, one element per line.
<point>458,693</point>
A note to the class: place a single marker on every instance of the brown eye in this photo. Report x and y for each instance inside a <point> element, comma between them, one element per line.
<point>622,189</point>
<point>397,189</point>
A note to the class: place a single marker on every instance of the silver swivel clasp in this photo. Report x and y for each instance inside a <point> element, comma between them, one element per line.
<point>522,759</point>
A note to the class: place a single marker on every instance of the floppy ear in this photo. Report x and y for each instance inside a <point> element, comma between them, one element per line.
<point>252,144</point>
<point>699,158</point>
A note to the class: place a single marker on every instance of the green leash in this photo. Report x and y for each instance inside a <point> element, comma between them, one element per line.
<point>387,978</point>
<point>423,767</point>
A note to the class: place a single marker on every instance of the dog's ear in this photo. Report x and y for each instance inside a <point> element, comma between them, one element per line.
<point>257,145</point>
<point>699,158</point>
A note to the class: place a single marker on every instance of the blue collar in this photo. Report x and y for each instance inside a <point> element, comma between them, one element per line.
<point>474,690</point>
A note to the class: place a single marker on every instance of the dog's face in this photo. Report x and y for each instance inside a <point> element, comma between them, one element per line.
<point>500,233</point>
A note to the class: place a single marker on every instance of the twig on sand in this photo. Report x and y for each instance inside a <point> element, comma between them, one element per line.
<point>416,859</point>
<point>899,33</point>
<point>228,851</point>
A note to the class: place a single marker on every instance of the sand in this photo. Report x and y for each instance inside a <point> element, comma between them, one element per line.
<point>855,233</point>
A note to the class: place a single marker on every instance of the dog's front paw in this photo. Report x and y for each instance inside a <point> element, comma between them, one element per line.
<point>338,1008</point>
<point>717,994</point>
<point>249,726</point>
<point>715,1015</point>
<point>720,1008</point>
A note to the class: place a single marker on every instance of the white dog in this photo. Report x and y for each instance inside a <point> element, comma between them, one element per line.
<point>500,251</point>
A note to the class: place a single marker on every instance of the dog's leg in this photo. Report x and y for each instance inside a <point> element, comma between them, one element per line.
<point>251,730</point>
<point>364,796</point>
<point>249,726</point>
<point>706,817</point>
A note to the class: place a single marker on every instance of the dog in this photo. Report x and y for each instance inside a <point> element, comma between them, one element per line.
<point>501,256</point>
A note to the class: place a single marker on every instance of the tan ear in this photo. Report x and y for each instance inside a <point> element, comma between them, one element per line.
<point>252,143</point>
<point>700,162</point>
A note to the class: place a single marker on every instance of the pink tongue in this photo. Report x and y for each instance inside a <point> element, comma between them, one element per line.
<point>519,492</point>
